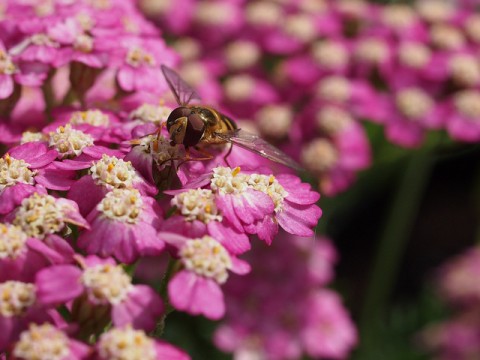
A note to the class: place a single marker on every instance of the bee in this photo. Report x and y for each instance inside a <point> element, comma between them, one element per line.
<point>199,125</point>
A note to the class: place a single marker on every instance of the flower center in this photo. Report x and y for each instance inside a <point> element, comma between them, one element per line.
<point>228,181</point>
<point>12,241</point>
<point>355,8</point>
<point>106,284</point>
<point>85,21</point>
<point>7,67</point>
<point>319,156</point>
<point>149,113</point>
<point>137,57</point>
<point>42,342</point>
<point>39,215</point>
<point>415,55</point>
<point>239,87</point>
<point>467,102</point>
<point>43,40</point>
<point>90,117</point>
<point>242,54</point>
<point>15,298</point>
<point>69,142</point>
<point>14,171</point>
<point>446,37</point>
<point>263,13</point>
<point>465,69</point>
<point>374,51</point>
<point>274,121</point>
<point>300,27</point>
<point>113,173</point>
<point>331,120</point>
<point>414,103</point>
<point>329,54</point>
<point>194,72</point>
<point>126,343</point>
<point>214,13</point>
<point>334,88</point>
<point>472,27</point>
<point>29,136</point>
<point>83,43</point>
<point>206,257</point>
<point>270,186</point>
<point>434,10</point>
<point>123,205</point>
<point>197,204</point>
<point>188,48</point>
<point>398,16</point>
<point>159,148</point>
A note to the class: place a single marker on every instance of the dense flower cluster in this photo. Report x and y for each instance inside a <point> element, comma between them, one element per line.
<point>281,310</point>
<point>304,73</point>
<point>90,184</point>
<point>458,337</point>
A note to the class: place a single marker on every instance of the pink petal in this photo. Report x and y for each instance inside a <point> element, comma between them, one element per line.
<point>12,196</point>
<point>126,78</point>
<point>141,309</point>
<point>196,295</point>
<point>6,86</point>
<point>55,179</point>
<point>240,267</point>
<point>234,241</point>
<point>35,153</point>
<point>8,333</point>
<point>170,352</point>
<point>59,251</point>
<point>298,219</point>
<point>172,238</point>
<point>86,185</point>
<point>58,284</point>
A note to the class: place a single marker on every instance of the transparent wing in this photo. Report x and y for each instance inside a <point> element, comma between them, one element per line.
<point>259,146</point>
<point>183,92</point>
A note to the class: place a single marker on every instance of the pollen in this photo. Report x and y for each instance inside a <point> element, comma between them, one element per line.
<point>39,216</point>
<point>137,57</point>
<point>274,121</point>
<point>149,113</point>
<point>415,55</point>
<point>159,147</point>
<point>69,142</point>
<point>467,103</point>
<point>447,37</point>
<point>330,54</point>
<point>124,205</point>
<point>414,103</point>
<point>465,69</point>
<point>12,241</point>
<point>332,120</point>
<point>206,257</point>
<point>16,298</point>
<point>14,171</point>
<point>434,10</point>
<point>373,51</point>
<point>334,88</point>
<point>7,67</point>
<point>263,13</point>
<point>42,342</point>
<point>242,54</point>
<point>83,43</point>
<point>90,117</point>
<point>113,173</point>
<point>239,87</point>
<point>126,343</point>
<point>269,185</point>
<point>106,284</point>
<point>398,16</point>
<point>197,204</point>
<point>301,27</point>
<point>319,156</point>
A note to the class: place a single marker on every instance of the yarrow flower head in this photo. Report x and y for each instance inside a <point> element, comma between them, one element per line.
<point>104,284</point>
<point>46,342</point>
<point>127,343</point>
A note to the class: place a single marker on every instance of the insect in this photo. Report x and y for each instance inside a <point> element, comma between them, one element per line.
<point>199,125</point>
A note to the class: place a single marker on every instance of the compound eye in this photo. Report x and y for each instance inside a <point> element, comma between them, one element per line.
<point>195,130</point>
<point>176,114</point>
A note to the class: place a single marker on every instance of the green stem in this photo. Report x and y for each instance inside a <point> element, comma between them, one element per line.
<point>69,97</point>
<point>163,291</point>
<point>48,97</point>
<point>391,247</point>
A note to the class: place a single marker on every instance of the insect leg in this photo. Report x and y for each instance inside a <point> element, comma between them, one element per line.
<point>228,154</point>
<point>207,156</point>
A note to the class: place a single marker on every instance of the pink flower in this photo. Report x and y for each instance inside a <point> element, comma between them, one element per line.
<point>103,283</point>
<point>7,72</point>
<point>205,264</point>
<point>124,342</point>
<point>26,169</point>
<point>463,114</point>
<point>22,256</point>
<point>124,225</point>
<point>104,175</point>
<point>18,309</point>
<point>48,342</point>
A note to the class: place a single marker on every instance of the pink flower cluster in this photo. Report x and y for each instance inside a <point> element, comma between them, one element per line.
<point>282,310</point>
<point>304,73</point>
<point>90,184</point>
<point>458,337</point>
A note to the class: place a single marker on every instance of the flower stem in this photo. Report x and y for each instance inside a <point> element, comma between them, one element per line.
<point>396,233</point>
<point>163,290</point>
<point>48,96</point>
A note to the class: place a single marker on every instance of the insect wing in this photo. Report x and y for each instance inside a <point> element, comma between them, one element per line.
<point>183,92</point>
<point>256,144</point>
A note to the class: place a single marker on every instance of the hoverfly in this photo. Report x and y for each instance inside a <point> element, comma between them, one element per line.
<point>198,125</point>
